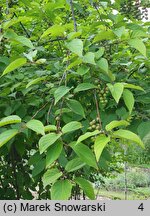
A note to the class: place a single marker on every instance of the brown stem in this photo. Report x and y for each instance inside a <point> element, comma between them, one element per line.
<point>58,122</point>
<point>95,6</point>
<point>53,40</point>
<point>22,26</point>
<point>40,189</point>
<point>49,110</point>
<point>125,174</point>
<point>7,7</point>
<point>39,110</point>
<point>98,12</point>
<point>84,196</point>
<point>73,16</point>
<point>97,110</point>
<point>14,166</point>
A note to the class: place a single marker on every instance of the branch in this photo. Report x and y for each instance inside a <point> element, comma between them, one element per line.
<point>97,110</point>
<point>95,6</point>
<point>53,40</point>
<point>28,35</point>
<point>14,167</point>
<point>39,110</point>
<point>7,7</point>
<point>49,110</point>
<point>64,77</point>
<point>73,16</point>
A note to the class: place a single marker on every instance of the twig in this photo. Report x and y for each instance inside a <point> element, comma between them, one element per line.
<point>73,16</point>
<point>39,110</point>
<point>132,72</point>
<point>50,107</point>
<point>14,167</point>
<point>98,11</point>
<point>28,35</point>
<point>125,174</point>
<point>58,39</point>
<point>7,7</point>
<point>95,6</point>
<point>64,77</point>
<point>49,110</point>
<point>53,40</point>
<point>97,194</point>
<point>97,110</point>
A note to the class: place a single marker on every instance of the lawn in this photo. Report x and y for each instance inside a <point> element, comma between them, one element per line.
<point>136,194</point>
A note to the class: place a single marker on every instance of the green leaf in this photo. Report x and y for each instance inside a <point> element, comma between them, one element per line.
<point>41,61</point>
<point>74,164</point>
<point>53,153</point>
<point>138,45</point>
<point>86,187</point>
<point>74,63</point>
<point>49,128</point>
<point>73,35</point>
<point>128,85</point>
<point>119,31</point>
<point>138,34</point>
<point>14,65</point>
<point>47,141</point>
<point>61,190</point>
<point>35,81</point>
<point>50,176</point>
<point>71,126</point>
<point>84,87</point>
<point>144,128</point>
<point>54,31</point>
<point>7,135</point>
<point>14,21</point>
<point>146,139</point>
<point>63,110</point>
<point>38,167</point>
<point>11,35</point>
<point>36,126</point>
<point>89,58</point>
<point>87,135</point>
<point>25,41</point>
<point>99,53</point>
<point>100,143</point>
<point>12,119</point>
<point>75,46</point>
<point>114,124</point>
<point>34,159</point>
<point>103,65</point>
<point>76,107</point>
<point>83,70</point>
<point>126,134</point>
<point>104,35</point>
<point>84,153</point>
<point>116,90</point>
<point>128,99</point>
<point>60,92</point>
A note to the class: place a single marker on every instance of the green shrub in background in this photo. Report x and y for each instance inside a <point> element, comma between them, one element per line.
<point>134,180</point>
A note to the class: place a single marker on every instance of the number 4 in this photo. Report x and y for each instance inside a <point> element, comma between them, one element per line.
<point>141,207</point>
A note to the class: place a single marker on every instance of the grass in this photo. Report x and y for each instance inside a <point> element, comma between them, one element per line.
<point>137,183</point>
<point>147,166</point>
<point>136,194</point>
